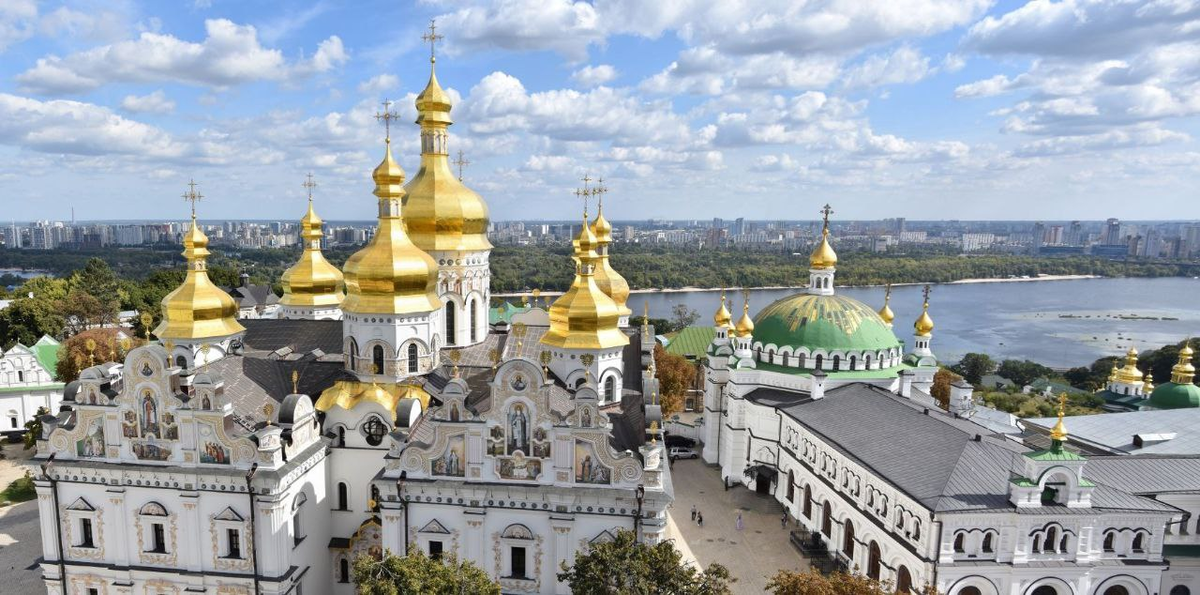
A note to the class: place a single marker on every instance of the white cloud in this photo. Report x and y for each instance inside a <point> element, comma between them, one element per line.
<point>592,76</point>
<point>378,84</point>
<point>1138,136</point>
<point>17,21</point>
<point>230,54</point>
<point>560,25</point>
<point>73,127</point>
<point>904,65</point>
<point>154,103</point>
<point>94,25</point>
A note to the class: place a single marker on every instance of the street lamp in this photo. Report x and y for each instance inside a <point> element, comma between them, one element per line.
<point>640,493</point>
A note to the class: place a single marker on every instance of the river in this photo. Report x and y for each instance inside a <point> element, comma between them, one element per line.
<point>1056,323</point>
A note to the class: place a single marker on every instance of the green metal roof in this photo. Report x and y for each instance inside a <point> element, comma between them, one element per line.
<point>504,312</point>
<point>886,373</point>
<point>692,342</point>
<point>30,387</point>
<point>828,322</point>
<point>1050,455</point>
<point>1175,396</point>
<point>46,352</point>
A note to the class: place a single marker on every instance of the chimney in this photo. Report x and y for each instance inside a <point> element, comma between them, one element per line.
<point>906,380</point>
<point>245,279</point>
<point>960,397</point>
<point>818,385</point>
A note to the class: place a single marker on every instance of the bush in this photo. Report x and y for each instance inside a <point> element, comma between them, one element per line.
<point>20,490</point>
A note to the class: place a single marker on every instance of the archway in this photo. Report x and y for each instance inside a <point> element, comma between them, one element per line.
<point>848,538</point>
<point>807,502</point>
<point>413,363</point>
<point>873,561</point>
<point>903,580</point>
<point>826,519</point>
<point>377,359</point>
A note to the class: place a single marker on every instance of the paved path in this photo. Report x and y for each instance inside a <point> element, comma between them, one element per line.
<point>20,542</point>
<point>753,554</point>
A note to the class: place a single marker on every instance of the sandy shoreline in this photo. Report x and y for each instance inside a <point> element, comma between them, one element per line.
<point>799,287</point>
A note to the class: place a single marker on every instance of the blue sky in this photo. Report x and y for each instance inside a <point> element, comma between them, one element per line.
<point>766,109</point>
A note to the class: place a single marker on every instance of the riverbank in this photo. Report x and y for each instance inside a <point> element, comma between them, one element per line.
<point>690,289</point>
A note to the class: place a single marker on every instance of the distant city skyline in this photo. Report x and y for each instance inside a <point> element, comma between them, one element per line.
<point>929,109</point>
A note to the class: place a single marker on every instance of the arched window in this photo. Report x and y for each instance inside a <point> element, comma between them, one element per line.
<point>873,561</point>
<point>20,376</point>
<point>450,338</point>
<point>867,362</point>
<point>853,361</point>
<point>343,571</point>
<point>1137,542</point>
<point>1048,544</point>
<point>374,430</point>
<point>413,363</point>
<point>297,508</point>
<point>610,389</point>
<point>987,543</point>
<point>1062,544</point>
<point>474,318</point>
<point>1110,540</point>
<point>959,546</point>
<point>181,361</point>
<point>1180,590</point>
<point>826,519</point>
<point>341,436</point>
<point>343,496</point>
<point>803,360</point>
<point>791,489</point>
<point>770,356</point>
<point>903,580</point>
<point>848,539</point>
<point>377,360</point>
<point>807,502</point>
<point>837,363</point>
<point>353,354</point>
<point>916,530</point>
<point>820,360</point>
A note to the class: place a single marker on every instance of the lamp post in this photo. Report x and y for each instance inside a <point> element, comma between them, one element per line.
<point>640,493</point>
<point>400,497</point>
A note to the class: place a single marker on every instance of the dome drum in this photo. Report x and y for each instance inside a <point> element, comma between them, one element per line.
<point>828,361</point>
<point>826,324</point>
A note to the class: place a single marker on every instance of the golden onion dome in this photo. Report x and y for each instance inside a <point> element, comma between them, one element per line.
<point>585,317</point>
<point>823,257</point>
<point>607,278</point>
<point>1148,384</point>
<point>312,281</point>
<point>1130,374</point>
<point>745,325</point>
<point>390,275</point>
<point>348,394</point>
<point>885,312</point>
<point>924,324</point>
<point>723,318</point>
<point>1184,372</point>
<point>441,213</point>
<point>1059,432</point>
<point>197,309</point>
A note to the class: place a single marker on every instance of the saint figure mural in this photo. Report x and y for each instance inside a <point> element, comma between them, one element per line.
<point>518,430</point>
<point>149,415</point>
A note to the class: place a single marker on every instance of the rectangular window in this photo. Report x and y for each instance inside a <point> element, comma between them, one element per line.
<point>85,531</point>
<point>297,536</point>
<point>235,543</point>
<point>518,562</point>
<point>93,591</point>
<point>13,421</point>
<point>435,550</point>
<point>158,540</point>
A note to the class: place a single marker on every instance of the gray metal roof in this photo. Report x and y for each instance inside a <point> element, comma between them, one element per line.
<point>1145,474</point>
<point>1114,432</point>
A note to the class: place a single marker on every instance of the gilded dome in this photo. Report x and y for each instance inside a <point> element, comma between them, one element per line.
<point>924,324</point>
<point>601,227</point>
<point>312,281</point>
<point>823,322</point>
<point>441,213</point>
<point>823,256</point>
<point>390,275</point>
<point>885,313</point>
<point>1130,374</point>
<point>745,326</point>
<point>585,317</point>
<point>1181,391</point>
<point>347,394</point>
<point>607,278</point>
<point>197,309</point>
<point>723,318</point>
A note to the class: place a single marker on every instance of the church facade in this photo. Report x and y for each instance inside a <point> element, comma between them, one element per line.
<point>379,412</point>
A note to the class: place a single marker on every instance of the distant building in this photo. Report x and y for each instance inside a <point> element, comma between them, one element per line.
<point>27,383</point>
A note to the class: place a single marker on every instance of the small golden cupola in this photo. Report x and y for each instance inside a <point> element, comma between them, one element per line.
<point>390,275</point>
<point>885,312</point>
<point>441,213</point>
<point>745,325</point>
<point>312,288</point>
<point>924,324</point>
<point>585,317</point>
<point>197,311</point>
<point>1130,374</point>
<point>607,278</point>
<point>823,256</point>
<point>723,318</point>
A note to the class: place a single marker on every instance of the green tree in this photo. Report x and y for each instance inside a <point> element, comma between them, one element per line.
<point>418,573</point>
<point>675,376</point>
<point>974,366</point>
<point>1024,372</point>
<point>682,317</point>
<point>660,324</point>
<point>99,280</point>
<point>812,582</point>
<point>33,428</point>
<point>624,566</point>
<point>26,319</point>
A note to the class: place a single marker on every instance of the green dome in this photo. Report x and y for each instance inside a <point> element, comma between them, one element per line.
<point>823,322</point>
<point>1175,396</point>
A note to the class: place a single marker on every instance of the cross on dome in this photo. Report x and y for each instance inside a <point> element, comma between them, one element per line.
<point>924,292</point>
<point>460,162</point>
<point>826,212</point>
<point>386,116</point>
<point>192,196</point>
<point>599,191</point>
<point>432,38</point>
<point>309,184</point>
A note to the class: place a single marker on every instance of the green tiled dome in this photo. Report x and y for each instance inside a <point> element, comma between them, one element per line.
<point>829,322</point>
<point>1175,396</point>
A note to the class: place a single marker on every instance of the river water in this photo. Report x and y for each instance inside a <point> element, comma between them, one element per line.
<point>1012,320</point>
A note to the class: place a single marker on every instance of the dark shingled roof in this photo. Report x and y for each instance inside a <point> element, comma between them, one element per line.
<point>930,455</point>
<point>301,336</point>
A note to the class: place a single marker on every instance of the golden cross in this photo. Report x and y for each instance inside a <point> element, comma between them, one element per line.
<point>1062,404</point>
<point>887,292</point>
<point>192,196</point>
<point>460,162</point>
<point>387,116</point>
<point>309,184</point>
<point>599,191</point>
<point>585,195</point>
<point>926,293</point>
<point>826,212</point>
<point>295,381</point>
<point>432,37</point>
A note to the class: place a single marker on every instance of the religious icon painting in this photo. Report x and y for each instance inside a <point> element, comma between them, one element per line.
<point>146,369</point>
<point>92,443</point>
<point>518,429</point>
<point>149,415</point>
<point>451,462</point>
<point>211,450</point>
<point>518,382</point>
<point>519,467</point>
<point>588,468</point>
<point>129,426</point>
<point>150,451</point>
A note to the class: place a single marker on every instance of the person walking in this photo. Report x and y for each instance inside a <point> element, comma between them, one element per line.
<point>699,519</point>
<point>783,521</point>
<point>693,512</point>
<point>738,524</point>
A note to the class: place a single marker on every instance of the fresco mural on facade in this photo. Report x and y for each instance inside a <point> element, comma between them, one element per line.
<point>588,468</point>
<point>92,443</point>
<point>452,461</point>
<point>519,467</point>
<point>518,429</point>
<point>211,449</point>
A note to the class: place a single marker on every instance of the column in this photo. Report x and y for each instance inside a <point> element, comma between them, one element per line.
<point>118,550</point>
<point>561,549</point>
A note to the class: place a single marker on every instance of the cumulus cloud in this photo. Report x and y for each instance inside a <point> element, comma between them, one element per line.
<point>154,103</point>
<point>73,127</point>
<point>592,76</point>
<point>229,55</point>
<point>904,65</point>
<point>18,19</point>
<point>378,84</point>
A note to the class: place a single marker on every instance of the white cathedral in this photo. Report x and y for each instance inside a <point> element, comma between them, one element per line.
<point>381,412</point>
<point>815,403</point>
